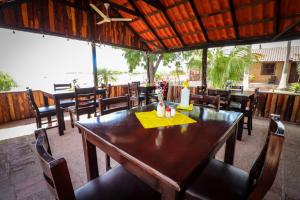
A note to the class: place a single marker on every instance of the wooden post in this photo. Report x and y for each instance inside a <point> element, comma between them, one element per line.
<point>94,57</point>
<point>204,67</point>
<point>148,67</point>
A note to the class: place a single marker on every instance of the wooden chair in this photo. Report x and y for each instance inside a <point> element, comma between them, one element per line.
<point>85,103</point>
<point>206,101</point>
<point>250,110</point>
<point>236,88</point>
<point>219,180</point>
<point>134,94</point>
<point>42,112</point>
<point>224,97</point>
<point>118,183</point>
<point>63,86</point>
<point>66,102</point>
<point>110,105</point>
<point>201,90</point>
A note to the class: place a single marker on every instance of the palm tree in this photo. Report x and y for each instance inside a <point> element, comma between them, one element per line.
<point>106,75</point>
<point>223,68</point>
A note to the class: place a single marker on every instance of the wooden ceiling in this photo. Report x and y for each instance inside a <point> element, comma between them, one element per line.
<point>159,25</point>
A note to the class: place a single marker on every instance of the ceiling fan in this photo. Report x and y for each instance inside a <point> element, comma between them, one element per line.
<point>106,18</point>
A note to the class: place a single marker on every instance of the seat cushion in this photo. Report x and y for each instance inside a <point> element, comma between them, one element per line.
<point>219,180</point>
<point>117,183</point>
<point>47,109</point>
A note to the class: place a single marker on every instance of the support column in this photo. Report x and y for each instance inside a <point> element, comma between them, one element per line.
<point>204,67</point>
<point>94,58</point>
<point>148,67</point>
<point>284,75</point>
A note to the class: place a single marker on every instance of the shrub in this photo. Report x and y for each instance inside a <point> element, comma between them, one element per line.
<point>295,87</point>
<point>6,82</point>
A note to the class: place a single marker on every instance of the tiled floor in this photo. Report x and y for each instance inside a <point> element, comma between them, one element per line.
<point>21,176</point>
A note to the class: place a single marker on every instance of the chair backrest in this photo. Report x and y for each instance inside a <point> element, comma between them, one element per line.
<point>236,87</point>
<point>133,89</point>
<point>63,86</point>
<point>224,94</point>
<point>114,104</point>
<point>55,171</point>
<point>201,90</point>
<point>31,101</point>
<point>42,132</point>
<point>264,170</point>
<point>85,100</point>
<point>206,101</point>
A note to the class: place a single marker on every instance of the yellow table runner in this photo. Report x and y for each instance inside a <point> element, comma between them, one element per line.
<point>150,119</point>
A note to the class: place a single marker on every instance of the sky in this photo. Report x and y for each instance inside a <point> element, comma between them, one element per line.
<point>36,61</point>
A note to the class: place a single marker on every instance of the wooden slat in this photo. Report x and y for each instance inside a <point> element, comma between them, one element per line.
<point>273,104</point>
<point>268,105</point>
<point>295,109</point>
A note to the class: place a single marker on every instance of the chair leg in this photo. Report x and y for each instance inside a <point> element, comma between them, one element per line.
<point>249,125</point>
<point>72,119</point>
<point>251,122</point>
<point>107,159</point>
<point>38,122</point>
<point>63,120</point>
<point>49,120</point>
<point>78,118</point>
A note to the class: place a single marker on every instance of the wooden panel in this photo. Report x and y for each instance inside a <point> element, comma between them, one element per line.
<point>295,109</point>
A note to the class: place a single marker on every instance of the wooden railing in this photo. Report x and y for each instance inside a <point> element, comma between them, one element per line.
<point>15,105</point>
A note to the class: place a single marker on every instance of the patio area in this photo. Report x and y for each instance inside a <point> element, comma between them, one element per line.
<point>21,174</point>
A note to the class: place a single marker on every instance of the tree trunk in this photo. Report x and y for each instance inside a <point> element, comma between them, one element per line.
<point>153,68</point>
<point>284,78</point>
<point>151,73</point>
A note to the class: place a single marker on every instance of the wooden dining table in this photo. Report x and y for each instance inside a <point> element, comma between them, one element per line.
<point>147,89</point>
<point>61,95</point>
<point>165,158</point>
<point>243,98</point>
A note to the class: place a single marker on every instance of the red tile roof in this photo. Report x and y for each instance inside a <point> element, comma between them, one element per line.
<point>278,54</point>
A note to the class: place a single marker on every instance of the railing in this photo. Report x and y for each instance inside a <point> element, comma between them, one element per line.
<point>15,105</point>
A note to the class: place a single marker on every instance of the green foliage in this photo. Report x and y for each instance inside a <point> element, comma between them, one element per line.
<point>224,67</point>
<point>6,82</point>
<point>106,75</point>
<point>158,77</point>
<point>295,87</point>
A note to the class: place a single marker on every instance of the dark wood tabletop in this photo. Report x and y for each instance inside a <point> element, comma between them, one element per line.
<point>165,157</point>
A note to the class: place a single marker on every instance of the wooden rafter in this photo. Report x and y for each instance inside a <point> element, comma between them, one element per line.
<point>146,42</point>
<point>155,3</point>
<point>290,27</point>
<point>199,20</point>
<point>146,22</point>
<point>277,13</point>
<point>234,20</point>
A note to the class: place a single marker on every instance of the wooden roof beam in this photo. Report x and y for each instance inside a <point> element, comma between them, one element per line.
<point>277,13</point>
<point>146,22</point>
<point>234,19</point>
<point>159,6</point>
<point>199,20</point>
<point>290,27</point>
<point>12,3</point>
<point>146,42</point>
<point>119,7</point>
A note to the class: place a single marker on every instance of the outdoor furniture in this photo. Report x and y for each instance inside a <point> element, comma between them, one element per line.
<point>219,180</point>
<point>42,112</point>
<point>156,155</point>
<point>63,86</point>
<point>224,97</point>
<point>236,88</point>
<point>85,103</point>
<point>152,95</point>
<point>242,98</point>
<point>107,88</point>
<point>65,103</point>
<point>135,94</point>
<point>110,105</point>
<point>206,101</point>
<point>201,90</point>
<point>117,184</point>
<point>61,95</point>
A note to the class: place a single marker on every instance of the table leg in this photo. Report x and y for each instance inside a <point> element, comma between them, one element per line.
<point>230,147</point>
<point>90,157</point>
<point>146,97</point>
<point>240,128</point>
<point>59,116</point>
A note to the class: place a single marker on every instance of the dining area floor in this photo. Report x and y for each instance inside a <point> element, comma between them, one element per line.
<point>21,174</point>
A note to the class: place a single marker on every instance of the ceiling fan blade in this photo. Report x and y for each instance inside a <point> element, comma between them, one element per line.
<point>120,19</point>
<point>98,11</point>
<point>103,21</point>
